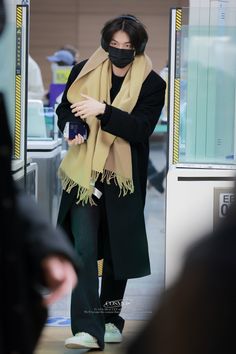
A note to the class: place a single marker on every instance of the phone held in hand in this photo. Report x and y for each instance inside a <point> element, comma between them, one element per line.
<point>74,128</point>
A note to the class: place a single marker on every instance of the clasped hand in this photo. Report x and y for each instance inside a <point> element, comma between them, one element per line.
<point>76,141</point>
<point>88,107</point>
<point>83,109</point>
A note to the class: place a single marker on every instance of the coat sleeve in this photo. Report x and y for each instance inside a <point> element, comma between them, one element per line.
<point>63,110</point>
<point>140,123</point>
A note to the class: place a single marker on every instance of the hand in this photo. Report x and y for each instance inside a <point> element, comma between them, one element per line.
<point>87,107</point>
<point>60,277</point>
<point>76,141</point>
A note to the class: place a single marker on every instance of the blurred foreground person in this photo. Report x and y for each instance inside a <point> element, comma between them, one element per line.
<point>197,314</point>
<point>32,254</point>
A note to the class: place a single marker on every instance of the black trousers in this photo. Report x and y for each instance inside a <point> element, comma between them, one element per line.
<point>89,310</point>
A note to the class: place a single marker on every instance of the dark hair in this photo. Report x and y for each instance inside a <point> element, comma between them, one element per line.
<point>129,24</point>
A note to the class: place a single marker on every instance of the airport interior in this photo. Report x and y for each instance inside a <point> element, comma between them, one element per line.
<point>192,46</point>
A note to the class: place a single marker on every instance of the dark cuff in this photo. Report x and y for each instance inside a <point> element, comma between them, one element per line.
<point>104,118</point>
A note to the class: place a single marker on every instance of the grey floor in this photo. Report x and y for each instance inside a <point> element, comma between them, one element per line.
<point>141,293</point>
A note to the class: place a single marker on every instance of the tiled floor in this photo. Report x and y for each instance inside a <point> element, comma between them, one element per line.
<point>142,292</point>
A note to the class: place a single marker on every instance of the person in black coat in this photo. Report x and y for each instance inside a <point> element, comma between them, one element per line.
<point>197,313</point>
<point>118,98</point>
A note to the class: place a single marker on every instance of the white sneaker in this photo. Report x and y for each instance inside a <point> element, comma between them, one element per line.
<point>112,334</point>
<point>81,340</point>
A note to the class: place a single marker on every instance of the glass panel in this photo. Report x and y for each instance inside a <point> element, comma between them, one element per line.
<point>41,122</point>
<point>207,86</point>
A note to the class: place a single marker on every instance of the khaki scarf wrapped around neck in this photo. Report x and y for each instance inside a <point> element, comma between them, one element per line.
<point>103,154</point>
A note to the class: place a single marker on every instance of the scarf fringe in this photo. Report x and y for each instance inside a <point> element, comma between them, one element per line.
<point>125,184</point>
<point>66,182</point>
<point>84,195</point>
<point>107,176</point>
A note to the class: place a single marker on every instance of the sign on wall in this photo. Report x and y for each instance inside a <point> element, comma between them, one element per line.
<point>223,199</point>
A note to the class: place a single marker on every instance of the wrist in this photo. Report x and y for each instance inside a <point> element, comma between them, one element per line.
<point>103,107</point>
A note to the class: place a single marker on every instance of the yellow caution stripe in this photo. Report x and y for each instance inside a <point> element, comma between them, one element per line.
<point>176,125</point>
<point>176,121</point>
<point>17,135</point>
<point>178,21</point>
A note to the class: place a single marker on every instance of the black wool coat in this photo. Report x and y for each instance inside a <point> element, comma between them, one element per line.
<point>125,215</point>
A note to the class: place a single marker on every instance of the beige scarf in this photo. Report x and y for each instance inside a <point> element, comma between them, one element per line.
<point>103,153</point>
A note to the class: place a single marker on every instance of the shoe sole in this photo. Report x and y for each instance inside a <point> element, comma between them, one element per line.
<point>81,346</point>
<point>113,340</point>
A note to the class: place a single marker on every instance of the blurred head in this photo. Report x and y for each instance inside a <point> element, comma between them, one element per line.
<point>62,57</point>
<point>74,51</point>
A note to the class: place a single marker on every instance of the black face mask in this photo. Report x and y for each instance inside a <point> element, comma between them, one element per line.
<point>121,57</point>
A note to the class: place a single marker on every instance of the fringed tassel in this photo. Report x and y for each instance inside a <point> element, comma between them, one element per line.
<point>84,195</point>
<point>66,182</point>
<point>94,176</point>
<point>107,176</point>
<point>125,184</point>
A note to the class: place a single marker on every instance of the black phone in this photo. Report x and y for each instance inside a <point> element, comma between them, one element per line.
<point>74,128</point>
